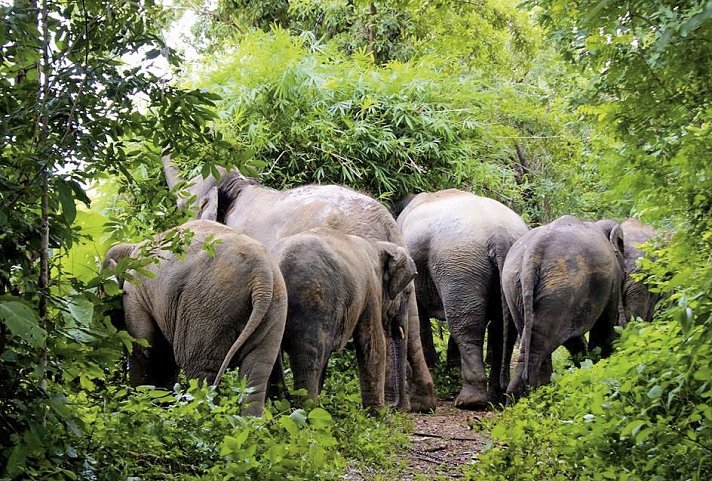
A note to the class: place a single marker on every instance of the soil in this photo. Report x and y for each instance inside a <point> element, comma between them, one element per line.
<point>440,445</point>
<point>443,442</point>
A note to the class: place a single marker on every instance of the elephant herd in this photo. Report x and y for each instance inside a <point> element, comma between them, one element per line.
<point>304,270</point>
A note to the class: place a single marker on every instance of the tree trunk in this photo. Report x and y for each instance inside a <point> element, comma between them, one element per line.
<point>372,30</point>
<point>41,131</point>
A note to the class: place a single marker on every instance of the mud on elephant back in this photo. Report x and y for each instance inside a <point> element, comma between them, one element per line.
<point>269,215</point>
<point>202,313</point>
<point>562,280</point>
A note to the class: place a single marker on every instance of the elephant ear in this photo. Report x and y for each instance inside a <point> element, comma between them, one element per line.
<point>208,207</point>
<point>398,268</point>
<point>112,258</point>
<point>617,239</point>
<point>613,231</point>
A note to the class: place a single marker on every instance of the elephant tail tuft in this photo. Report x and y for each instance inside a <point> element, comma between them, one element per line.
<point>262,293</point>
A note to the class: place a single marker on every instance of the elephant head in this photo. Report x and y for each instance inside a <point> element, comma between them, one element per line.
<point>210,196</point>
<point>114,255</point>
<point>613,231</point>
<point>398,269</point>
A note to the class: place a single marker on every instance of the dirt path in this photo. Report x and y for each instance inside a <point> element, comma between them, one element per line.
<point>443,442</point>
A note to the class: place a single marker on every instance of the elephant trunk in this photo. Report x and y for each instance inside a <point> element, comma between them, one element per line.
<point>261,301</point>
<point>395,385</point>
<point>172,173</point>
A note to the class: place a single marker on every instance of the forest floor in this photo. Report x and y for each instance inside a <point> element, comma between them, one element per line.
<point>443,442</point>
<point>440,445</point>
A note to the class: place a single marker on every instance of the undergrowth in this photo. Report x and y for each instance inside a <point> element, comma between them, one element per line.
<point>197,433</point>
<point>642,414</point>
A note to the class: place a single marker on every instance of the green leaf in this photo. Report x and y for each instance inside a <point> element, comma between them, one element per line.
<point>22,321</point>
<point>299,416</point>
<point>289,424</point>
<point>632,427</point>
<point>655,392</point>
<point>69,209</point>
<point>320,418</point>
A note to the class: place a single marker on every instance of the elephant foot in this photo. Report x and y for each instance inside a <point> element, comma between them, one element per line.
<point>423,400</point>
<point>472,398</point>
<point>497,399</point>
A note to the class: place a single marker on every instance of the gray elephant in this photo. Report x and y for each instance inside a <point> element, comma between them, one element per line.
<point>459,241</point>
<point>562,280</point>
<point>269,215</point>
<point>338,286</point>
<point>638,300</point>
<point>203,312</point>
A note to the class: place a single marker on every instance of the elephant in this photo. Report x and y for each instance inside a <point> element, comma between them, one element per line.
<point>338,286</point>
<point>560,281</point>
<point>269,215</point>
<point>202,312</point>
<point>639,301</point>
<point>459,241</point>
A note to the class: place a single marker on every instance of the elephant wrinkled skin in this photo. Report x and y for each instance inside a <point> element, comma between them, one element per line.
<point>203,313</point>
<point>562,280</point>
<point>269,215</point>
<point>459,241</point>
<point>338,286</point>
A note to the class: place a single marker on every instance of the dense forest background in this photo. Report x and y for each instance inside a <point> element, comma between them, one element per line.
<point>599,109</point>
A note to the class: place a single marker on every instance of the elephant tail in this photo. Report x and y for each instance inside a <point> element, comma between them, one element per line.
<point>262,293</point>
<point>527,278</point>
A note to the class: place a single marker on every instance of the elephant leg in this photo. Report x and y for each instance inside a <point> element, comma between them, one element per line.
<point>540,364</point>
<point>602,334</point>
<point>257,362</point>
<point>371,357</point>
<point>255,366</point>
<point>154,365</point>
<point>547,369</point>
<point>509,339</point>
<point>517,384</point>
<point>426,337</point>
<point>453,354</point>
<point>306,357</point>
<point>421,395</point>
<point>277,386</point>
<point>577,348</point>
<point>468,330</point>
<point>494,357</point>
<point>322,377</point>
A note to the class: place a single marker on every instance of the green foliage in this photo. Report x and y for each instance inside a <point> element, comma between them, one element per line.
<point>645,412</point>
<point>367,441</point>
<point>73,109</point>
<point>642,414</point>
<point>197,433</point>
<point>305,115</point>
<point>648,68</point>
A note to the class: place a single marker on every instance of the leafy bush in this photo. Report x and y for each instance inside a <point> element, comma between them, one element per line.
<point>197,433</point>
<point>645,412</point>
<point>298,114</point>
<point>642,414</point>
